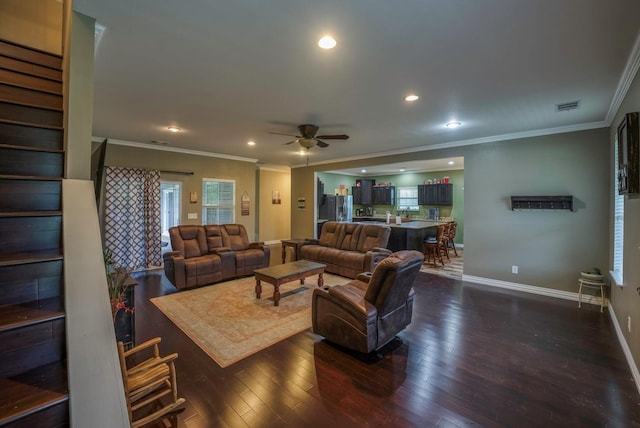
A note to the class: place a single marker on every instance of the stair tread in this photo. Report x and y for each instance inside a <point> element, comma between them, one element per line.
<point>24,314</point>
<point>32,74</point>
<point>30,257</point>
<point>31,88</point>
<point>29,177</point>
<point>41,107</point>
<point>34,390</point>
<point>30,148</point>
<point>33,125</point>
<point>30,214</point>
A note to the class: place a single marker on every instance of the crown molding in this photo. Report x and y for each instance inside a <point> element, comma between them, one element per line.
<point>275,168</point>
<point>473,141</point>
<point>629,73</point>
<point>172,149</point>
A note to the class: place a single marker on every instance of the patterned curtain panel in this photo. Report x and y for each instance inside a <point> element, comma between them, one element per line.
<point>132,217</point>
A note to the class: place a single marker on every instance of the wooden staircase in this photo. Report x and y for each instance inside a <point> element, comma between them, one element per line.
<point>33,368</point>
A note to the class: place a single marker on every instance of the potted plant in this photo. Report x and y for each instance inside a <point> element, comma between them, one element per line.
<point>120,297</point>
<point>593,275</point>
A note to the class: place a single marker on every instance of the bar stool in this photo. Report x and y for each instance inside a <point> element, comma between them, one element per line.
<point>452,236</point>
<point>592,284</point>
<point>433,248</point>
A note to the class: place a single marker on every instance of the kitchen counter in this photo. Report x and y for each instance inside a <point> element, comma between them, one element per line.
<point>408,235</point>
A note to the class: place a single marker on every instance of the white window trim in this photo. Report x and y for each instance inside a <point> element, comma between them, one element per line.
<point>415,208</point>
<point>233,200</point>
<point>616,273</point>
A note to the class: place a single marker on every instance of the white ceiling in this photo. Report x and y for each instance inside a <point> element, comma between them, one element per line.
<point>227,72</point>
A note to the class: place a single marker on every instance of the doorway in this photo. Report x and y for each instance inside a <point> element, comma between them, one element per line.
<point>170,202</point>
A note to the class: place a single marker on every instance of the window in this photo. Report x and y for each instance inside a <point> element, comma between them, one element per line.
<point>408,198</point>
<point>618,224</point>
<point>169,205</point>
<point>218,201</point>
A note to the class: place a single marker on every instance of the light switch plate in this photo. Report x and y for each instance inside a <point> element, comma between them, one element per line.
<point>192,216</point>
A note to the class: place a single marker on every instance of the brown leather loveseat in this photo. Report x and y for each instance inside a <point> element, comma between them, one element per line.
<point>347,249</point>
<point>207,254</point>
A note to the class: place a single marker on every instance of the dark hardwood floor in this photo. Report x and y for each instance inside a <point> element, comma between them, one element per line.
<point>473,356</point>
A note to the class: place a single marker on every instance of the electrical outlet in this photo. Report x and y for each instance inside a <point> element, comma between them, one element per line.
<point>514,269</point>
<point>629,323</point>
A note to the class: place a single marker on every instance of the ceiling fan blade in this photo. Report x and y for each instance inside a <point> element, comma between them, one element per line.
<point>288,135</point>
<point>291,142</point>
<point>321,143</point>
<point>334,137</point>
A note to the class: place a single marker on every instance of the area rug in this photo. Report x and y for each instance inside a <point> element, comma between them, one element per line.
<point>452,268</point>
<point>229,323</point>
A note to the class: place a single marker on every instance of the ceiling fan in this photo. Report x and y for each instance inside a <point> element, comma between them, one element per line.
<point>308,137</point>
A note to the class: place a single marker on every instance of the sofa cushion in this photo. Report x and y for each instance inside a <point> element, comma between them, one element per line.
<point>249,260</point>
<point>235,237</point>
<point>188,240</point>
<point>329,234</point>
<point>372,236</point>
<point>348,236</point>
<point>202,270</point>
<point>214,237</point>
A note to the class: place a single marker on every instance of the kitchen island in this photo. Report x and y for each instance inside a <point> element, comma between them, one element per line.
<point>408,235</point>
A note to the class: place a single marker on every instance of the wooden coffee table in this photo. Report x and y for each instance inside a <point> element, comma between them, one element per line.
<point>277,275</point>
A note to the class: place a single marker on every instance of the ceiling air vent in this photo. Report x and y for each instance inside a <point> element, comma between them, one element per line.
<point>572,105</point>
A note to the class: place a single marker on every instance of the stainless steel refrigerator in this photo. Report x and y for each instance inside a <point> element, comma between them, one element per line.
<point>336,208</point>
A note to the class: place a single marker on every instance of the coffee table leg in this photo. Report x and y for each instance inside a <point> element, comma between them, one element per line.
<point>320,280</point>
<point>276,295</point>
<point>258,289</point>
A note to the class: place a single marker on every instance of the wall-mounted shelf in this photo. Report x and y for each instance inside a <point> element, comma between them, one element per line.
<point>542,203</point>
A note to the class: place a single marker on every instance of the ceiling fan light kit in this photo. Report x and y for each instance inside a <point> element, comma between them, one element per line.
<point>308,137</point>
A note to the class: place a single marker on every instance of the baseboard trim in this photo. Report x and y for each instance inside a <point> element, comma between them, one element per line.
<point>550,292</point>
<point>625,348</point>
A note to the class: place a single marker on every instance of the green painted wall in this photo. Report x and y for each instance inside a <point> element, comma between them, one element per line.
<point>456,177</point>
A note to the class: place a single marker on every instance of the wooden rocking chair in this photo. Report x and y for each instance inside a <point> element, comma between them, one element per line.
<point>148,381</point>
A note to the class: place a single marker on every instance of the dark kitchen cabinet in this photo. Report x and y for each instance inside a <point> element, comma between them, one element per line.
<point>357,195</point>
<point>362,194</point>
<point>435,194</point>
<point>384,195</point>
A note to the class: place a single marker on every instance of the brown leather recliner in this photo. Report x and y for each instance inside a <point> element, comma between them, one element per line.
<point>368,312</point>
<point>249,255</point>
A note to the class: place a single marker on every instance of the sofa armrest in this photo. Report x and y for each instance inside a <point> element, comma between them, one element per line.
<point>174,269</point>
<point>258,245</point>
<point>373,257</point>
<point>347,299</point>
<point>364,277</point>
<point>310,241</point>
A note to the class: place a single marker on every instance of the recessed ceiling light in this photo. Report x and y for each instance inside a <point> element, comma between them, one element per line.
<point>402,170</point>
<point>364,170</point>
<point>411,97</point>
<point>302,152</point>
<point>174,128</point>
<point>453,124</point>
<point>450,162</point>
<point>251,143</point>
<point>327,42</point>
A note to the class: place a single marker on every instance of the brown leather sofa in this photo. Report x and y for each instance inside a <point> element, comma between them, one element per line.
<point>347,249</point>
<point>368,312</point>
<point>207,254</point>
